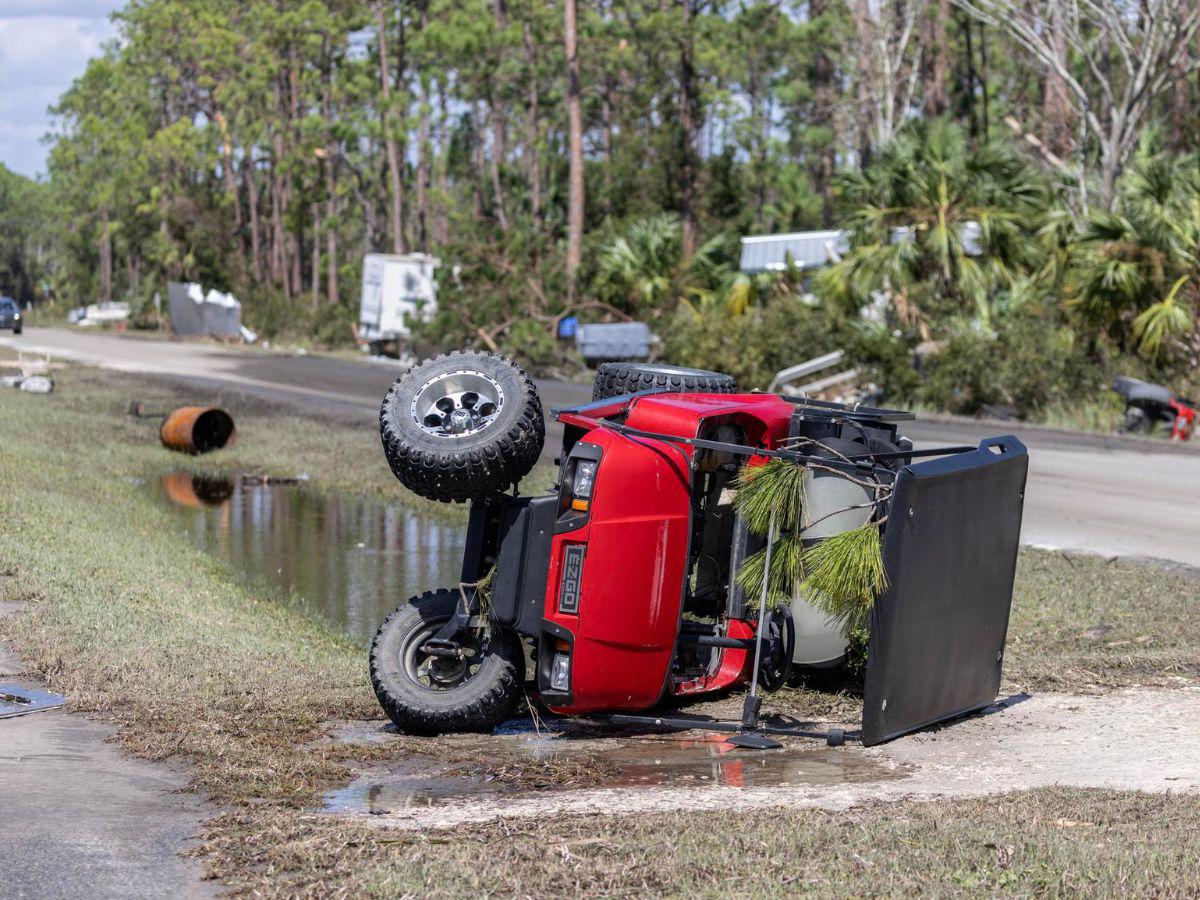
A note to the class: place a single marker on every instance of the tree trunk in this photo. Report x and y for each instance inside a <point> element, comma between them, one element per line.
<point>575,197</point>
<point>396,185</point>
<point>331,254</point>
<point>106,258</point>
<point>332,154</point>
<point>499,121</point>
<point>606,119</point>
<point>442,221</point>
<point>480,182</point>
<point>297,258</point>
<point>278,270</point>
<point>533,136</point>
<point>227,169</point>
<point>496,116</point>
<point>983,79</point>
<point>1056,105</point>
<point>825,98</point>
<point>314,277</point>
<point>687,133</point>
<point>866,111</point>
<point>423,169</point>
<point>936,57</point>
<point>972,120</point>
<point>252,201</point>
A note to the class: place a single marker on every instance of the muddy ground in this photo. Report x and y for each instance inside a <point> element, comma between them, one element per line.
<point>1140,739</point>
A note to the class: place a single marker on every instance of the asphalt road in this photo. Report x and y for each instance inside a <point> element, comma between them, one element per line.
<point>1112,495</point>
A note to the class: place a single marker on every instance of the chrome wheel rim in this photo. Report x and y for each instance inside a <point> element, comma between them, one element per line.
<point>457,404</point>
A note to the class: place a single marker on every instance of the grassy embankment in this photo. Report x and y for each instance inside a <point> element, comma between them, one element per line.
<point>133,623</point>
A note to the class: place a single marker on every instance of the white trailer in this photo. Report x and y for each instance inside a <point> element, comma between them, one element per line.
<point>397,293</point>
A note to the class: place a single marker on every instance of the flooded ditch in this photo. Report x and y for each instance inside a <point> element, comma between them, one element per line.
<point>347,561</point>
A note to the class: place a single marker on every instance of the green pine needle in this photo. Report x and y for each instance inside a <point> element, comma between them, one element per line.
<point>843,574</point>
<point>787,553</point>
<point>777,487</point>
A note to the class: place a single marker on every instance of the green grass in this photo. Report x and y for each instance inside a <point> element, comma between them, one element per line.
<point>1084,622</point>
<point>133,623</point>
<point>1046,843</point>
<point>1103,415</point>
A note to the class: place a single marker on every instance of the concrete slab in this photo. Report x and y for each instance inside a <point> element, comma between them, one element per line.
<point>80,819</point>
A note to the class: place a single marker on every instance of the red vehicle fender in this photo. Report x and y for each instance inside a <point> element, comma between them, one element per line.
<point>636,539</point>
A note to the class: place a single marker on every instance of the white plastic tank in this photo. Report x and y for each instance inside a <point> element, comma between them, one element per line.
<point>819,639</point>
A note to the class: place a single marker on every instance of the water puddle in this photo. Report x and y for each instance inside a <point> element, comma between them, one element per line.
<point>346,561</point>
<point>514,764</point>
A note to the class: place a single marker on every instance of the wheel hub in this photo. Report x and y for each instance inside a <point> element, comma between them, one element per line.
<point>447,672</point>
<point>457,404</point>
<point>433,665</point>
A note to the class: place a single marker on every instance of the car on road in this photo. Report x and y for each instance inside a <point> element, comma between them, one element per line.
<point>10,315</point>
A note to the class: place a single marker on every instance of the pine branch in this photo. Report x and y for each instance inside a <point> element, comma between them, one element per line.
<point>843,574</point>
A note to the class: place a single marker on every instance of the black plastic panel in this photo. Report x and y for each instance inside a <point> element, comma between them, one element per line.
<point>519,587</point>
<point>950,551</point>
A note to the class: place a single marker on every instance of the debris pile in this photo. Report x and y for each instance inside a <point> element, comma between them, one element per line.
<point>33,375</point>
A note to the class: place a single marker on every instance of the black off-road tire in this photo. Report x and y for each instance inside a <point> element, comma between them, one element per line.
<point>615,379</point>
<point>481,703</point>
<point>458,468</point>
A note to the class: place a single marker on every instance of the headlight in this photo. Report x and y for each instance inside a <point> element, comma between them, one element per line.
<point>585,477</point>
<point>560,673</point>
<point>578,484</point>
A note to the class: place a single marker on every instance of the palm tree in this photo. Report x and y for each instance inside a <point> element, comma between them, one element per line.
<point>937,228</point>
<point>644,271</point>
<point>1137,270</point>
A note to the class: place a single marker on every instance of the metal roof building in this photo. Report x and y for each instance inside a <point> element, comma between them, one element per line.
<point>813,249</point>
<point>809,250</point>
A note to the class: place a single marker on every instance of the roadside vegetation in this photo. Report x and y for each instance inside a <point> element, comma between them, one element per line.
<point>134,624</point>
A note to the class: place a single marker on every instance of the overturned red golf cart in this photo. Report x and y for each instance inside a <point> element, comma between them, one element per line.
<point>617,588</point>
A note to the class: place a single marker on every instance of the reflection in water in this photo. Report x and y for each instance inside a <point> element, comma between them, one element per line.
<point>349,561</point>
<point>686,760</point>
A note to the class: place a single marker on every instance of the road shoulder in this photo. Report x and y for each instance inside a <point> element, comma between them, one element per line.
<point>84,820</point>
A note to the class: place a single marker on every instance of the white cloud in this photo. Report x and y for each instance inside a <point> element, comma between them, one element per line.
<point>44,46</point>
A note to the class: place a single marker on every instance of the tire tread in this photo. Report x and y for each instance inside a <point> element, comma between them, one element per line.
<point>617,379</point>
<point>463,475</point>
<point>482,712</point>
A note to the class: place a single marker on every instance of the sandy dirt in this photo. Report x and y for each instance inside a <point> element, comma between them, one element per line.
<point>1135,739</point>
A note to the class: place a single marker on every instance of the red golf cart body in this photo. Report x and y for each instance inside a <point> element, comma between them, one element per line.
<point>634,538</point>
<point>627,594</point>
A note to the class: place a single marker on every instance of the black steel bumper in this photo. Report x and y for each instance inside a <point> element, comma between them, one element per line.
<point>514,535</point>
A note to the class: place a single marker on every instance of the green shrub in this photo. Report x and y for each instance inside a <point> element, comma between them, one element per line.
<point>782,332</point>
<point>532,345</point>
<point>1030,363</point>
<point>276,318</point>
<point>754,346</point>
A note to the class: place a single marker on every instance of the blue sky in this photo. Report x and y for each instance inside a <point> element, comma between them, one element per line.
<point>44,46</point>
